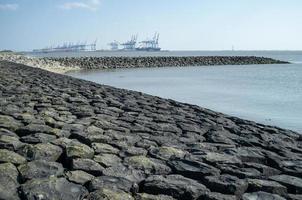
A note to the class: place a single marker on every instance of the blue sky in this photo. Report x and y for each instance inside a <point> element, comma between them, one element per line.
<point>182,24</point>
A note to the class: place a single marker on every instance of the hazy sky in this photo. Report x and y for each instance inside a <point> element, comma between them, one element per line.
<point>182,24</point>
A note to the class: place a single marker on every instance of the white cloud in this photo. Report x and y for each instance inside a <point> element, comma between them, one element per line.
<point>84,4</point>
<point>9,6</point>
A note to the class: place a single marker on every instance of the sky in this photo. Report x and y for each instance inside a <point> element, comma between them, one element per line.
<point>182,24</point>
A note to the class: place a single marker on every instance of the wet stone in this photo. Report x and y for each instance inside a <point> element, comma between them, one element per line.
<point>40,169</point>
<point>87,165</point>
<point>176,186</point>
<point>53,189</point>
<point>8,182</point>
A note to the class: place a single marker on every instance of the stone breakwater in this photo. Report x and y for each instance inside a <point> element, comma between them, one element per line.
<point>65,138</point>
<point>134,62</point>
<point>63,65</point>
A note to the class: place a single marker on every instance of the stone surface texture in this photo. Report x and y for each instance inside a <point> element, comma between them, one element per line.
<point>65,138</point>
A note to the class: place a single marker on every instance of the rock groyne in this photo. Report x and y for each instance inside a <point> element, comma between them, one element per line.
<point>63,65</point>
<point>142,62</point>
<point>65,138</point>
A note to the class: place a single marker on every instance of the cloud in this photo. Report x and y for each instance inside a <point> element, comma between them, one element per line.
<point>84,4</point>
<point>9,6</point>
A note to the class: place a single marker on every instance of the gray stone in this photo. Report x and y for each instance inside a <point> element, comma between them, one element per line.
<point>256,185</point>
<point>38,138</point>
<point>40,169</point>
<point>104,148</point>
<point>48,152</point>
<point>148,165</point>
<point>107,160</point>
<point>53,189</point>
<point>9,123</point>
<point>126,172</point>
<point>10,142</point>
<point>293,184</point>
<point>8,182</point>
<point>193,169</point>
<point>144,196</point>
<point>78,150</point>
<point>226,184</point>
<point>176,186</point>
<point>79,177</point>
<point>10,156</point>
<point>87,165</point>
<point>261,196</point>
<point>217,196</point>
<point>113,183</point>
<point>107,194</point>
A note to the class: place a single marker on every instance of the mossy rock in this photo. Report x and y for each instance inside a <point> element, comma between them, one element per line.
<point>12,157</point>
<point>78,150</point>
<point>149,165</point>
<point>9,123</point>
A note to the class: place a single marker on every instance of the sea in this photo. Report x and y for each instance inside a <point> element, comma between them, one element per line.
<point>268,94</point>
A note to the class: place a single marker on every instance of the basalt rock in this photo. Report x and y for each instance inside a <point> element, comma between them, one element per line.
<point>65,138</point>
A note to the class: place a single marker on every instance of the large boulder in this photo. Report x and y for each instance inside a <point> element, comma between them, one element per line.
<point>112,183</point>
<point>176,186</point>
<point>193,169</point>
<point>40,169</point>
<point>148,165</point>
<point>261,196</point>
<point>53,189</point>
<point>107,194</point>
<point>87,165</point>
<point>10,156</point>
<point>78,150</point>
<point>274,187</point>
<point>293,184</point>
<point>226,184</point>
<point>79,177</point>
<point>8,182</point>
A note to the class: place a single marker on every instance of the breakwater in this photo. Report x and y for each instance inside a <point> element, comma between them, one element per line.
<point>135,62</point>
<point>65,64</point>
<point>65,138</point>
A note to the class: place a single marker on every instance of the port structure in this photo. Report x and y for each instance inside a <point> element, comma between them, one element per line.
<point>150,44</point>
<point>114,45</point>
<point>69,47</point>
<point>131,44</point>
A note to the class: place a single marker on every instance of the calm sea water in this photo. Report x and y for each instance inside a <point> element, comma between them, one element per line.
<point>270,94</point>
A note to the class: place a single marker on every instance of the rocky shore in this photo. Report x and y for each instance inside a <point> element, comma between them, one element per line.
<point>63,138</point>
<point>66,64</point>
